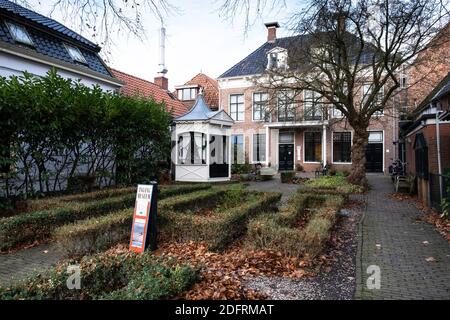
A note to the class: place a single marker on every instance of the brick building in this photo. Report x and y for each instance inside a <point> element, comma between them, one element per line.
<point>423,148</point>
<point>188,92</point>
<point>286,139</point>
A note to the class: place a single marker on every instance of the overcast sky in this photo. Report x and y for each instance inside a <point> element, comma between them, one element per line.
<point>198,40</point>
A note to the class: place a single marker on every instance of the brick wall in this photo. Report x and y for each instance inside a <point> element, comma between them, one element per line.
<point>248,127</point>
<point>430,67</point>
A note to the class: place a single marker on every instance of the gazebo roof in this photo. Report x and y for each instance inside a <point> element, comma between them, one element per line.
<point>201,112</point>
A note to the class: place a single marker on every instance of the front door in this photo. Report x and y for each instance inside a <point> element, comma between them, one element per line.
<point>374,157</point>
<point>286,157</point>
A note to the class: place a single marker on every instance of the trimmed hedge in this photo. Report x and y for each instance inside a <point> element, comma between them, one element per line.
<point>109,275</point>
<point>224,225</point>
<point>38,225</point>
<point>331,185</point>
<point>279,232</point>
<point>98,234</point>
<point>54,202</point>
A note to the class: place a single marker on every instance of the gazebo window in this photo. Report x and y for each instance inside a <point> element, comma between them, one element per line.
<point>218,146</point>
<point>192,148</point>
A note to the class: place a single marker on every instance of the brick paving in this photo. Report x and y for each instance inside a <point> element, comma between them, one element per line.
<point>20,264</point>
<point>392,237</point>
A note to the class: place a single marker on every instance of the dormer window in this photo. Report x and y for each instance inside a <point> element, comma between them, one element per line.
<point>75,54</point>
<point>19,33</point>
<point>277,58</point>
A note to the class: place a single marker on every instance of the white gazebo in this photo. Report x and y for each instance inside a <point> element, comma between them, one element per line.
<point>202,149</point>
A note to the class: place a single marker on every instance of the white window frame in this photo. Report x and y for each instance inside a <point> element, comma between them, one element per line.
<point>243,146</point>
<point>286,94</point>
<point>304,146</point>
<point>332,146</point>
<point>237,111</point>
<point>10,25</point>
<point>312,103</point>
<point>80,59</point>
<point>253,106</point>
<point>364,94</point>
<point>252,145</point>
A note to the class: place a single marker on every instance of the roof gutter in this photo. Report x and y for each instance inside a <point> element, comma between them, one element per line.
<point>26,54</point>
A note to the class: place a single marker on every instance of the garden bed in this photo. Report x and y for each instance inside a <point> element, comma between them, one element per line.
<point>97,234</point>
<point>223,224</point>
<point>38,225</point>
<point>299,229</point>
<point>116,274</point>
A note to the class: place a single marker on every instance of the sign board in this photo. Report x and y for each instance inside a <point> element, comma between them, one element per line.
<point>143,231</point>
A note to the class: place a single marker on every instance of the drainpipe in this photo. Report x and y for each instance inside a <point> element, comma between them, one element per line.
<point>438,143</point>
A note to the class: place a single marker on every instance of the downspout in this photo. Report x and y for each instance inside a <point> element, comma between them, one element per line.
<point>438,145</point>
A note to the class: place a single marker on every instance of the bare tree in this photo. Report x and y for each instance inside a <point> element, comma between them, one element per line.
<point>350,54</point>
<point>101,19</point>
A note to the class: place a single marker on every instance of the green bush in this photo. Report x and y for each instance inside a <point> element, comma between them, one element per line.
<point>55,125</point>
<point>223,226</point>
<point>277,231</point>
<point>39,225</point>
<point>287,176</point>
<point>337,184</point>
<point>108,275</point>
<point>241,168</point>
<point>165,191</point>
<point>97,234</point>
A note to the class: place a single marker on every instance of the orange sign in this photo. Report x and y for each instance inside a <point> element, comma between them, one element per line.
<point>142,217</point>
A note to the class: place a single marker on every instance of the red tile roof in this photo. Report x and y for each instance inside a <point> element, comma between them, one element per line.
<point>137,86</point>
<point>210,90</point>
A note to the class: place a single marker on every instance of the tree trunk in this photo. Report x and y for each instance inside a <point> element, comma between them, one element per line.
<point>360,140</point>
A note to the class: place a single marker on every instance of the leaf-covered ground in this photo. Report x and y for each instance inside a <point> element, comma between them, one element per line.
<point>430,215</point>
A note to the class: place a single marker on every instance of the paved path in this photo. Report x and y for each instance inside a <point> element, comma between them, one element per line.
<point>18,265</point>
<point>392,237</point>
<point>274,185</point>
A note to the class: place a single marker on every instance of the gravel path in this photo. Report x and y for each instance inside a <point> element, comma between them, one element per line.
<point>339,283</point>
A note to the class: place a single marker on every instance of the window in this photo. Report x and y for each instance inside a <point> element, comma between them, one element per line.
<point>366,91</point>
<point>260,112</point>
<point>375,137</point>
<point>286,137</point>
<point>313,108</point>
<point>19,33</point>
<point>277,58</point>
<point>75,53</point>
<point>403,81</point>
<point>187,94</point>
<point>259,147</point>
<point>342,146</point>
<point>237,107</point>
<point>192,148</point>
<point>237,149</point>
<point>337,113</point>
<point>273,60</point>
<point>286,106</point>
<point>313,146</point>
<point>218,149</point>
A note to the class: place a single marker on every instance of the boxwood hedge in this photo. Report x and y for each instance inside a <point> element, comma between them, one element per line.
<point>109,275</point>
<point>278,231</point>
<point>38,225</point>
<point>99,233</point>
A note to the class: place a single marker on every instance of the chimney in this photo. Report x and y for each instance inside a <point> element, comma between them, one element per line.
<point>161,79</point>
<point>272,31</point>
<point>162,82</point>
